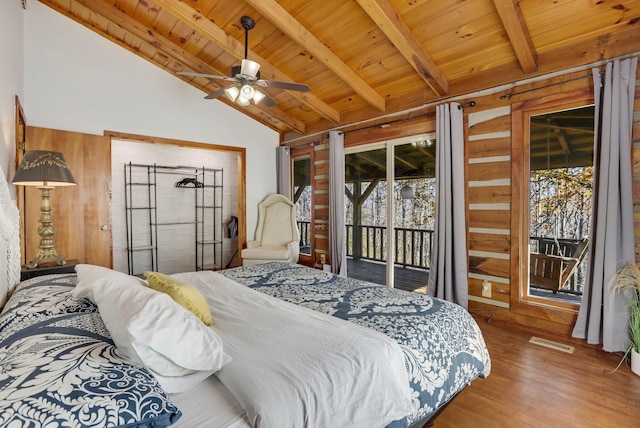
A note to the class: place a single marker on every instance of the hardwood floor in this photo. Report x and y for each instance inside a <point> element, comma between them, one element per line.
<point>534,386</point>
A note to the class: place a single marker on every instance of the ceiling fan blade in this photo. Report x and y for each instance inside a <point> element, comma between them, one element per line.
<point>214,95</point>
<point>209,76</point>
<point>290,86</point>
<point>268,101</point>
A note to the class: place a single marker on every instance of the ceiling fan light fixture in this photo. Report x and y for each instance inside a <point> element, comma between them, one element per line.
<point>247,91</point>
<point>249,68</point>
<point>232,92</point>
<point>422,143</point>
<point>245,76</point>
<point>242,101</point>
<point>258,97</point>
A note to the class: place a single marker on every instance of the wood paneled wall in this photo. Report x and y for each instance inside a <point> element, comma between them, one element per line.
<point>320,226</point>
<point>491,169</point>
<point>488,153</point>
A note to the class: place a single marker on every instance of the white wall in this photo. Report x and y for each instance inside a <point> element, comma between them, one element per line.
<point>11,79</point>
<point>76,80</point>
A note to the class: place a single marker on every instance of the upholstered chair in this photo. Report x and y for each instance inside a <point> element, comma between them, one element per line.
<point>277,237</point>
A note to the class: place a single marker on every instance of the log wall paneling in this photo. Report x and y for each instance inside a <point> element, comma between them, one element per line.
<point>320,225</point>
<point>488,199</point>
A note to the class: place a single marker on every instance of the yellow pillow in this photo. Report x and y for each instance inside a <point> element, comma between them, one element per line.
<point>184,294</point>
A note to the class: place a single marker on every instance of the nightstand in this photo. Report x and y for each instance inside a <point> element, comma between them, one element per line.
<point>47,269</point>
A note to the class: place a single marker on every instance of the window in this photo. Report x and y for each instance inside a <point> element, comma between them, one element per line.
<point>302,196</point>
<point>553,195</point>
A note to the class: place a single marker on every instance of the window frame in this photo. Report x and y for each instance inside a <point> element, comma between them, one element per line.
<point>301,152</point>
<point>521,113</point>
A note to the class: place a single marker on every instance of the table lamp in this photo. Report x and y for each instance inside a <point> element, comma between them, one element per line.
<point>45,170</point>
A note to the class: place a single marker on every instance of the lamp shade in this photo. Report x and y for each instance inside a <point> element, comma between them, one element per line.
<point>258,97</point>
<point>43,168</point>
<point>232,92</point>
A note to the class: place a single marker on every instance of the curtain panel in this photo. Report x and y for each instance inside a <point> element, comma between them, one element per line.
<point>448,273</point>
<point>602,318</point>
<point>283,170</point>
<point>337,244</point>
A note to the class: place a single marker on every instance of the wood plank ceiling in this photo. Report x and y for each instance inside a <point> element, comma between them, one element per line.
<point>363,59</point>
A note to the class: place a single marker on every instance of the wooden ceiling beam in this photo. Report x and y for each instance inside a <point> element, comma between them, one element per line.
<point>275,13</point>
<point>564,127</point>
<point>386,18</point>
<point>272,117</point>
<point>217,35</point>
<point>516,29</point>
<point>405,162</point>
<point>370,160</point>
<point>427,153</point>
<point>563,140</point>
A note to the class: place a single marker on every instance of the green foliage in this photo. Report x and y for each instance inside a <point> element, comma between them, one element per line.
<point>634,322</point>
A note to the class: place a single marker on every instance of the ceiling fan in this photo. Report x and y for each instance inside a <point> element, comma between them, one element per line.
<point>247,78</point>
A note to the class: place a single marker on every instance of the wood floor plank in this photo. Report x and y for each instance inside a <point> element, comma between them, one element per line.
<point>534,386</point>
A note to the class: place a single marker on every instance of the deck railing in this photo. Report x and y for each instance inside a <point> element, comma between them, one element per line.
<point>304,229</point>
<point>412,246</point>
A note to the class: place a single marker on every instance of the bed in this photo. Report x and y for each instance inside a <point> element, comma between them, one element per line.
<point>289,346</point>
<point>43,313</point>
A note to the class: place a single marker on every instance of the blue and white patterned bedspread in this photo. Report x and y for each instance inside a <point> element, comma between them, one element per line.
<point>60,368</point>
<point>443,346</point>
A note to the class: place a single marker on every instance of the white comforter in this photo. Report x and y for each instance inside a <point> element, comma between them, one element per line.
<point>294,367</point>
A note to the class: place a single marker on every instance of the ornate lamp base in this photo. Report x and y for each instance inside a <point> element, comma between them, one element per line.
<point>43,259</point>
<point>47,248</point>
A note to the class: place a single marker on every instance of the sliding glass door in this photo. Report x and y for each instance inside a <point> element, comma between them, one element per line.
<point>414,201</point>
<point>390,201</point>
<point>366,213</point>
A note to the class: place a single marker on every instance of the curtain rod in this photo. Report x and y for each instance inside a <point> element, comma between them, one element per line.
<point>508,96</point>
<point>389,123</point>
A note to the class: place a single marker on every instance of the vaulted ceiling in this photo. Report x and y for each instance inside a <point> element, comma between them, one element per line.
<point>362,59</point>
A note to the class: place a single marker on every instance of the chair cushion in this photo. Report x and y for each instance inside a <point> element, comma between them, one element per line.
<point>269,252</point>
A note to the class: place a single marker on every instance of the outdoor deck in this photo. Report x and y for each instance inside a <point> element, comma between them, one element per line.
<point>409,279</point>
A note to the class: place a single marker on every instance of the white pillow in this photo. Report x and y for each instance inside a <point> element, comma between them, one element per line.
<point>152,330</point>
<point>90,276</point>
